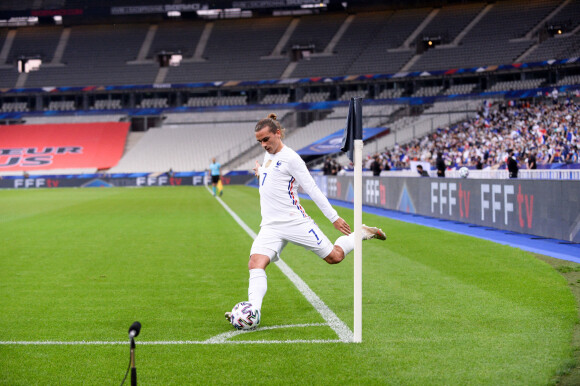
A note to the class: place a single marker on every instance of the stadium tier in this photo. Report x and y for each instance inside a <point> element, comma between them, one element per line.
<point>267,47</point>
<point>182,83</point>
<point>463,130</point>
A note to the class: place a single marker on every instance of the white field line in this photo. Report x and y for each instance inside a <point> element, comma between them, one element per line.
<point>223,338</point>
<point>344,333</point>
<point>160,343</point>
<point>218,339</point>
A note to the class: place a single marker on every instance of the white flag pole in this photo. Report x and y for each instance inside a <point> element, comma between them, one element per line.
<point>358,148</point>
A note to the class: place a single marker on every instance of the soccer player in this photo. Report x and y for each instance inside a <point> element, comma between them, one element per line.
<point>283,218</point>
<point>215,171</point>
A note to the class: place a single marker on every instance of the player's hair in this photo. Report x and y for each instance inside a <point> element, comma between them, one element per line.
<point>271,122</point>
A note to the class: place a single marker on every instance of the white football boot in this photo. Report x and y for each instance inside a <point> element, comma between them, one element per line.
<point>372,233</point>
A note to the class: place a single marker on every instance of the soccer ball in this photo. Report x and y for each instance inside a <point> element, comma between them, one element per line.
<point>464,172</point>
<point>245,316</point>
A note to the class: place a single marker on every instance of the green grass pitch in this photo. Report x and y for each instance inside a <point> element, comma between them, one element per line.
<point>438,308</point>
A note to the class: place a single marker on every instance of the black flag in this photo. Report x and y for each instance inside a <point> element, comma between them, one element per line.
<point>353,129</point>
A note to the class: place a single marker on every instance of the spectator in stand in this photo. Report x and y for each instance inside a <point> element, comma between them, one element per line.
<point>440,165</point>
<point>512,164</point>
<point>555,96</point>
<point>327,168</point>
<point>386,165</point>
<point>556,156</point>
<point>479,164</point>
<point>552,131</point>
<point>421,171</point>
<point>376,166</point>
<point>531,161</point>
<point>575,154</point>
<point>335,168</point>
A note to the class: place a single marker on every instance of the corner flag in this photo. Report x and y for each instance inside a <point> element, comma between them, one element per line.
<point>352,143</point>
<point>353,129</point>
<point>220,186</point>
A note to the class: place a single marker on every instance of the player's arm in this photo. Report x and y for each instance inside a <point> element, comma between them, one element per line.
<point>304,179</point>
<point>257,169</point>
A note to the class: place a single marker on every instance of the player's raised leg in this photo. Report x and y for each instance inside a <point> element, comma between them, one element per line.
<point>372,233</point>
<point>345,244</point>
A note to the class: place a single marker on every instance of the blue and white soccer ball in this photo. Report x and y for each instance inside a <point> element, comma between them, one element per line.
<point>464,172</point>
<point>245,316</point>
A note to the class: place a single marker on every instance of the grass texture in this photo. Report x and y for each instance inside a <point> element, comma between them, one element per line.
<point>438,308</point>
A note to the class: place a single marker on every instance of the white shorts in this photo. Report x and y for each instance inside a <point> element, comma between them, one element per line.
<point>273,238</point>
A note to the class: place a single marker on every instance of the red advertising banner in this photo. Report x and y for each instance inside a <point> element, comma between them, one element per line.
<point>62,146</point>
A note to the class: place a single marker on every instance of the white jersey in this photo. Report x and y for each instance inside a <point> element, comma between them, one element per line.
<point>280,176</point>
